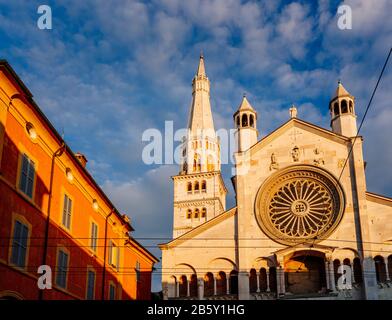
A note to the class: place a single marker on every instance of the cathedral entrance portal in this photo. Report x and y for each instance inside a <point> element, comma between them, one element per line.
<point>305,272</point>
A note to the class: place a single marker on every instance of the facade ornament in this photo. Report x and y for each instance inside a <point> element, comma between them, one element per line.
<point>341,163</point>
<point>316,151</point>
<point>295,154</point>
<point>274,164</point>
<point>319,161</point>
<point>293,111</point>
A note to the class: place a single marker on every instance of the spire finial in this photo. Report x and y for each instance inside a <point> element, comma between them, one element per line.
<point>293,111</point>
<point>244,95</point>
<point>339,82</point>
<point>201,54</point>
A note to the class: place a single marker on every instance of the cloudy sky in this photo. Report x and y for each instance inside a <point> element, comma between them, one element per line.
<point>108,70</point>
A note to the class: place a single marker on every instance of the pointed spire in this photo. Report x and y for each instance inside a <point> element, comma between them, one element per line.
<point>201,70</point>
<point>245,105</point>
<point>341,91</point>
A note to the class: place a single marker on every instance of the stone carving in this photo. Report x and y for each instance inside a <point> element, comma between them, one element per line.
<point>274,164</point>
<point>295,154</point>
<point>341,163</point>
<point>293,111</point>
<point>319,161</point>
<point>316,151</point>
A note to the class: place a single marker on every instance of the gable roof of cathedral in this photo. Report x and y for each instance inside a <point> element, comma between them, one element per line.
<point>199,229</point>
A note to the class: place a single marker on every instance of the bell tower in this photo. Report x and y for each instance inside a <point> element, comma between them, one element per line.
<point>199,190</point>
<point>342,110</point>
<point>245,120</point>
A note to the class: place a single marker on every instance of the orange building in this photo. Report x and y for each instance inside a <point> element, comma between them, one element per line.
<point>53,213</point>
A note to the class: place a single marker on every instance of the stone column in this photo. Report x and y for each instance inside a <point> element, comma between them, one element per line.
<point>386,268</point>
<point>352,272</point>
<point>214,286</point>
<point>327,275</point>
<point>258,281</point>
<point>188,292</point>
<point>177,288</point>
<point>282,281</point>
<point>200,289</point>
<point>243,285</point>
<point>332,276</point>
<point>227,285</point>
<point>268,285</point>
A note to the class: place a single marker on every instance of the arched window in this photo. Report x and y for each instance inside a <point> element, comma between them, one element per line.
<point>183,286</point>
<point>197,186</point>
<point>263,280</point>
<point>196,215</point>
<point>189,214</point>
<point>189,187</point>
<point>234,282</point>
<point>346,262</point>
<point>210,163</point>
<point>203,186</point>
<point>209,285</point>
<point>272,279</point>
<point>336,109</point>
<point>252,281</point>
<point>238,121</point>
<point>344,106</point>
<point>357,270</point>
<point>193,286</point>
<point>244,120</point>
<point>336,265</point>
<point>351,107</point>
<point>251,121</point>
<point>203,212</point>
<point>221,283</point>
<point>381,274</point>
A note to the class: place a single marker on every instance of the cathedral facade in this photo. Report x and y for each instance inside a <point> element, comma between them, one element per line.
<point>304,225</point>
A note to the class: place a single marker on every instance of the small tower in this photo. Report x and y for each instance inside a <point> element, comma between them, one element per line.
<point>342,110</point>
<point>245,119</point>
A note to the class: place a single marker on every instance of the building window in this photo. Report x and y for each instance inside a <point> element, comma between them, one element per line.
<point>94,236</point>
<point>90,285</point>
<point>19,244</point>
<point>189,187</point>
<point>189,214</point>
<point>197,187</point>
<point>196,214</point>
<point>113,254</point>
<point>67,210</point>
<point>27,175</point>
<point>203,186</point>
<point>137,269</point>
<point>381,273</point>
<point>62,268</point>
<point>112,291</point>
<point>203,212</point>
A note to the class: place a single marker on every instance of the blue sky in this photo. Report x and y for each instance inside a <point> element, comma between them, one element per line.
<point>108,70</point>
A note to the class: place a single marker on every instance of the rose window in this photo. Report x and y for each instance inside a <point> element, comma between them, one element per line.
<point>298,204</point>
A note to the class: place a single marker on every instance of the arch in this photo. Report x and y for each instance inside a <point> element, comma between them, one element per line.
<point>196,214</point>
<point>204,213</point>
<point>357,270</point>
<point>351,106</point>
<point>251,121</point>
<point>347,262</point>
<point>196,186</point>
<point>244,120</point>
<point>237,121</point>
<point>381,272</point>
<point>209,285</point>
<point>172,287</point>
<point>263,280</point>
<point>204,186</point>
<point>252,281</point>
<point>183,286</point>
<point>336,265</point>
<point>10,295</point>
<point>189,214</point>
<point>234,282</point>
<point>344,106</point>
<point>272,279</point>
<point>221,283</point>
<point>189,187</point>
<point>336,109</point>
<point>263,262</point>
<point>196,163</point>
<point>193,286</point>
<point>223,264</point>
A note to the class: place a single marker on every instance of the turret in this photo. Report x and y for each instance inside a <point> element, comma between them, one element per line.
<point>245,121</point>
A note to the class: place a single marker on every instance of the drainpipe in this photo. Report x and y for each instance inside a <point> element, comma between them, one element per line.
<point>104,255</point>
<point>57,153</point>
